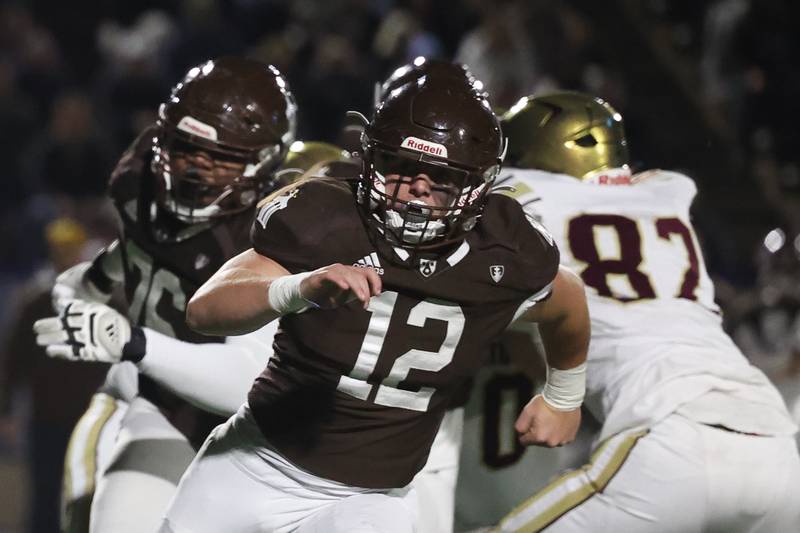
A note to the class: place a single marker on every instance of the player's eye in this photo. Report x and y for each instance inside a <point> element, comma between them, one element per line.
<point>396,165</point>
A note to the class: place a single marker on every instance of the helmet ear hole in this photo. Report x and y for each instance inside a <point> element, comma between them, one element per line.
<point>586,141</point>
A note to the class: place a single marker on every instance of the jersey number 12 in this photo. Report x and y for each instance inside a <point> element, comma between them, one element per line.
<point>382,306</point>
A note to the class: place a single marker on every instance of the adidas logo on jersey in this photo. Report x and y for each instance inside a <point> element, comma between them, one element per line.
<point>370,261</point>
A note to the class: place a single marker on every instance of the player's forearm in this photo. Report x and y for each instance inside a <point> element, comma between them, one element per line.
<point>566,341</point>
<point>216,376</point>
<point>565,329</point>
<point>235,300</point>
<point>564,322</point>
<point>233,304</point>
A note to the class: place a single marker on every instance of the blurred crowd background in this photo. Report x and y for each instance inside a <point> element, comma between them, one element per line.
<point>711,88</point>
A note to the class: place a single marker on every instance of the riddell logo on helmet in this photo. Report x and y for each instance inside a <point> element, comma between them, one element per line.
<point>195,127</point>
<point>427,147</point>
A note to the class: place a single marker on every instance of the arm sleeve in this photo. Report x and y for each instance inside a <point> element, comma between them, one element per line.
<point>215,376</point>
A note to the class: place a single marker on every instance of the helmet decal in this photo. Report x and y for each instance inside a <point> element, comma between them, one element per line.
<point>195,127</point>
<point>426,147</point>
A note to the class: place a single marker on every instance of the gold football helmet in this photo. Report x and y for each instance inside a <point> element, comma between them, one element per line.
<point>305,154</point>
<point>565,132</point>
<point>309,157</point>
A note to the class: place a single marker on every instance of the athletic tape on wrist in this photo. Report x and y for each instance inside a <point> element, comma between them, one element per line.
<point>284,294</point>
<point>565,389</point>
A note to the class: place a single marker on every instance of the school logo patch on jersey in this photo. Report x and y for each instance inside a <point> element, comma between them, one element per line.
<point>427,267</point>
<point>267,210</point>
<point>496,272</point>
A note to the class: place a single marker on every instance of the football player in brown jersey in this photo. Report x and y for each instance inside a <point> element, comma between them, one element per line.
<point>186,192</point>
<point>435,484</point>
<point>389,290</point>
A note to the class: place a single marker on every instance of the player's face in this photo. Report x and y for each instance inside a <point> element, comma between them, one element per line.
<point>420,188</point>
<point>207,173</point>
<point>413,181</point>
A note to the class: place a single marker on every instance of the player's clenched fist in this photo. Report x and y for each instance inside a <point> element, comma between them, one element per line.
<point>541,425</point>
<point>337,284</point>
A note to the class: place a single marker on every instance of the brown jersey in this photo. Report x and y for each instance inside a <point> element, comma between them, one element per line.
<point>357,395</point>
<point>164,263</point>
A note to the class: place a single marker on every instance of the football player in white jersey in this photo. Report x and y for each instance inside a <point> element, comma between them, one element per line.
<point>694,438</point>
<point>490,453</point>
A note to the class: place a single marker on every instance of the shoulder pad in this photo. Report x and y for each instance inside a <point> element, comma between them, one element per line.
<point>680,185</point>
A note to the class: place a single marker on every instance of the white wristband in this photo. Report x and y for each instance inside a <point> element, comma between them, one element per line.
<point>565,389</point>
<point>284,294</point>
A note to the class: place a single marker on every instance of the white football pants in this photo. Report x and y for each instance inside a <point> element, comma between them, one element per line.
<point>91,445</point>
<point>148,459</point>
<point>238,484</point>
<point>679,476</point>
<point>435,485</point>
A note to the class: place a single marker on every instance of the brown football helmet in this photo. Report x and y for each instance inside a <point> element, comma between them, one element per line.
<point>441,127</point>
<point>566,132</point>
<point>224,129</point>
<point>420,67</point>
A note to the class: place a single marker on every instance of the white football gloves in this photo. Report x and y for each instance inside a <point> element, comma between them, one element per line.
<point>87,331</point>
<point>72,284</point>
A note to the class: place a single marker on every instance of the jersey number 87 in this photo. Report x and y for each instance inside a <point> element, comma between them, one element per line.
<point>584,247</point>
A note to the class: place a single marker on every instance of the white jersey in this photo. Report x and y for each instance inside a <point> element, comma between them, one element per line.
<point>657,342</point>
<point>496,472</point>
